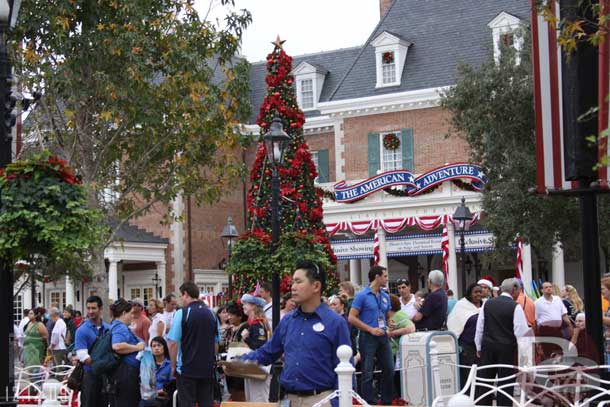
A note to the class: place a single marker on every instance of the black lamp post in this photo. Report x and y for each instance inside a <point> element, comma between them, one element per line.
<point>156,280</point>
<point>8,15</point>
<point>276,140</point>
<point>461,219</point>
<point>229,235</point>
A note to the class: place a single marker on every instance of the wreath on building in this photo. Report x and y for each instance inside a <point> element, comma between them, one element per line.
<point>391,142</point>
<point>388,57</point>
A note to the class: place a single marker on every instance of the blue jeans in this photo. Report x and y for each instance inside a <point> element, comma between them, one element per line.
<point>372,347</point>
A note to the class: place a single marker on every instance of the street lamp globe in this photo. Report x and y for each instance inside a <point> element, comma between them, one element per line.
<point>229,233</point>
<point>462,217</point>
<point>276,140</point>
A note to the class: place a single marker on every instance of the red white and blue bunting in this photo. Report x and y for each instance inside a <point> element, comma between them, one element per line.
<point>414,185</point>
<point>394,225</point>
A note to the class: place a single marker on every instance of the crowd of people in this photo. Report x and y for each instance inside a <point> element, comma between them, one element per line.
<point>158,348</point>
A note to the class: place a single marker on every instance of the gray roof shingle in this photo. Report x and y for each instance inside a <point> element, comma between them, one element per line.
<point>335,62</point>
<point>134,234</point>
<point>443,33</point>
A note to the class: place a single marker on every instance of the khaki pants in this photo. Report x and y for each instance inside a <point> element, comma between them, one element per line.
<point>309,401</point>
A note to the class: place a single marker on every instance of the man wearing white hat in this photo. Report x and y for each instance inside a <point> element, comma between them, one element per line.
<point>486,287</point>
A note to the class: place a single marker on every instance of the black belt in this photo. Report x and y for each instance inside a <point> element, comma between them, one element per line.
<point>307,393</point>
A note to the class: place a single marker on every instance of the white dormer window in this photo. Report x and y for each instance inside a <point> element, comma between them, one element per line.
<point>309,80</point>
<point>390,57</point>
<point>306,93</point>
<point>504,30</point>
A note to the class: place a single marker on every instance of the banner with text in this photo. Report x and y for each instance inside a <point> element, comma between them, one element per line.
<point>413,185</point>
<point>410,245</point>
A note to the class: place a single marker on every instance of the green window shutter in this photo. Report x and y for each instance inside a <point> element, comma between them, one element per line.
<point>322,166</point>
<point>374,163</point>
<point>406,136</point>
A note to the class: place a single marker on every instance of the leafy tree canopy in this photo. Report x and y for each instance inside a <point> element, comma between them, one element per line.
<point>492,108</point>
<point>142,97</point>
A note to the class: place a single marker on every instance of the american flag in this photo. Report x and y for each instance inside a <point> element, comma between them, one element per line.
<point>519,262</point>
<point>376,248</point>
<point>547,58</point>
<point>445,249</point>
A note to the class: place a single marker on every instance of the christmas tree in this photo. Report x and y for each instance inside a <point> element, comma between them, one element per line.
<point>303,234</point>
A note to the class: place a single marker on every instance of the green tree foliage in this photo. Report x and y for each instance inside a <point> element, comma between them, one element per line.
<point>142,97</point>
<point>45,224</point>
<point>492,107</point>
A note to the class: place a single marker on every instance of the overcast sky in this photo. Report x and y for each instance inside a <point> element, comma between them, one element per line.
<point>307,26</point>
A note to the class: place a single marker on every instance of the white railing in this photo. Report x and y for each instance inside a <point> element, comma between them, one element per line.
<point>40,385</point>
<point>552,384</point>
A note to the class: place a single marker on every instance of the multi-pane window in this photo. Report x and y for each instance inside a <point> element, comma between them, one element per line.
<point>390,159</point>
<point>145,293</point>
<point>208,288</point>
<point>388,68</point>
<point>58,299</point>
<point>316,161</point>
<point>18,308</point>
<point>306,93</point>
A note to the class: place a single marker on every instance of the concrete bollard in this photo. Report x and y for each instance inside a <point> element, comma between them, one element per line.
<point>345,372</point>
<point>51,390</point>
<point>460,400</point>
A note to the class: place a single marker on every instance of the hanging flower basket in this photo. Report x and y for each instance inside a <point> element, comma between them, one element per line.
<point>391,142</point>
<point>388,57</point>
<point>43,212</point>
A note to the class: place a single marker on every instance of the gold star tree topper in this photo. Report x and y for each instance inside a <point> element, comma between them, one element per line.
<point>278,43</point>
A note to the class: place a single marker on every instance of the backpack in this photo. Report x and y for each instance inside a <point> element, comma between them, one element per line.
<point>103,359</point>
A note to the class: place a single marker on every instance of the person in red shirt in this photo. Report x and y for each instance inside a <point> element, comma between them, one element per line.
<point>140,324</point>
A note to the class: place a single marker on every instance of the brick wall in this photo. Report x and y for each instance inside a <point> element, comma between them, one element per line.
<point>431,147</point>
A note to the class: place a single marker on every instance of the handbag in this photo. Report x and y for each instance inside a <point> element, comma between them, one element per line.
<point>75,381</point>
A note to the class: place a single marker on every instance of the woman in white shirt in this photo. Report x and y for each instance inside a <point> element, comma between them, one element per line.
<point>157,325</point>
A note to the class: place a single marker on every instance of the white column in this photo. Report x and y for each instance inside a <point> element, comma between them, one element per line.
<point>365,266</point>
<point>526,256</point>
<point>70,292</point>
<point>558,276</point>
<point>113,281</point>
<point>383,250</point>
<point>354,271</point>
<point>161,272</point>
<point>177,241</point>
<point>452,260</point>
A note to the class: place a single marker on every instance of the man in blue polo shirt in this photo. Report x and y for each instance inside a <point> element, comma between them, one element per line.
<point>369,314</point>
<point>308,337</point>
<point>86,335</point>
<point>192,339</point>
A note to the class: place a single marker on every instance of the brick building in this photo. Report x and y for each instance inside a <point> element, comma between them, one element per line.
<point>352,98</point>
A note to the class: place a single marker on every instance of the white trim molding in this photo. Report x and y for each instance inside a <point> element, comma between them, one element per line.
<point>145,252</point>
<point>409,100</point>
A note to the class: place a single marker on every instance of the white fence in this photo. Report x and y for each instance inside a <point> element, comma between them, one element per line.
<point>550,384</point>
<point>38,385</point>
